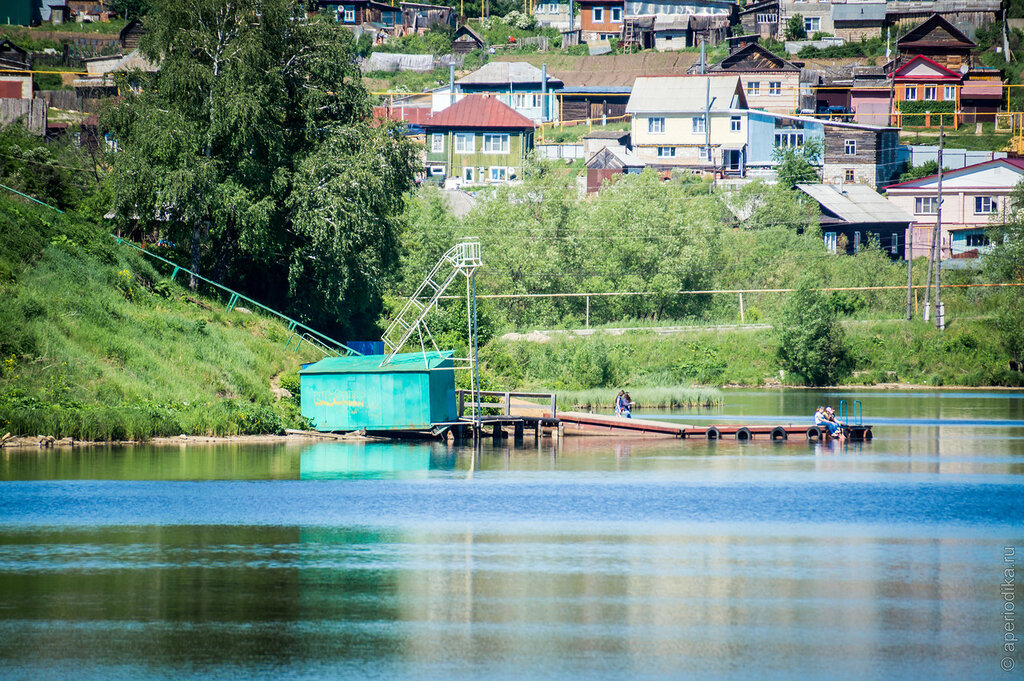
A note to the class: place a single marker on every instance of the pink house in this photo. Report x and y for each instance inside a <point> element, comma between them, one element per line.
<point>974,199</point>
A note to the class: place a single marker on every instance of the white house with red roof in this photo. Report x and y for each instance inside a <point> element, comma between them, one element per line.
<point>477,140</point>
<point>974,199</point>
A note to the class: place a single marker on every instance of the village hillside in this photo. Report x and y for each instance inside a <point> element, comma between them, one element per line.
<point>196,198</point>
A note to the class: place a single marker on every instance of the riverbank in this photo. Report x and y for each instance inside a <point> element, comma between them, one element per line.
<point>9,441</point>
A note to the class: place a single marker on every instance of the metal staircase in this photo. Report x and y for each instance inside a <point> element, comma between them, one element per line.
<point>463,258</point>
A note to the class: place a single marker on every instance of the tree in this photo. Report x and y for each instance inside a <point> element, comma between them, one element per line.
<point>811,342</point>
<point>1006,261</point>
<point>795,29</point>
<point>798,165</point>
<point>924,170</point>
<point>253,146</point>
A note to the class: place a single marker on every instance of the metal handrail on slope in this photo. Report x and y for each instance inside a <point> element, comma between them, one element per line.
<point>294,326</point>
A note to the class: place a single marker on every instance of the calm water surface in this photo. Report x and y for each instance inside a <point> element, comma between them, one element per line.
<point>598,559</point>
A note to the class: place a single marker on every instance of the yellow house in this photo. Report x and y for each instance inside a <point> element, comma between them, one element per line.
<point>673,116</point>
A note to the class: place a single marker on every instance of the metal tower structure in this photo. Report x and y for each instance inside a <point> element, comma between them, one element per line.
<point>463,258</point>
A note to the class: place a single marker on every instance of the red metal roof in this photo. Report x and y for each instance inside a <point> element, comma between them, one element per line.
<point>921,57</point>
<point>479,111</point>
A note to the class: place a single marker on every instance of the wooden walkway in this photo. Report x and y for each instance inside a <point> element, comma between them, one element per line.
<point>601,424</point>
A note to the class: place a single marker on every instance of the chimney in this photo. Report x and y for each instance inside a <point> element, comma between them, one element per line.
<point>738,42</point>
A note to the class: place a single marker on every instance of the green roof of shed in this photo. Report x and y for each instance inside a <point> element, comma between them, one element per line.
<point>370,364</point>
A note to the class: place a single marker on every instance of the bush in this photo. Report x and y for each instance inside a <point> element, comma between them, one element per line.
<point>811,342</point>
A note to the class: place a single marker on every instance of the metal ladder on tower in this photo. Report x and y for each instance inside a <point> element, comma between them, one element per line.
<point>462,258</point>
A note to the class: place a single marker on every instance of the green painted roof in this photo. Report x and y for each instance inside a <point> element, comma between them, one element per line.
<point>370,364</point>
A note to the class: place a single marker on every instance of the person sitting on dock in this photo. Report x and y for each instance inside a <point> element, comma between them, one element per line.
<point>835,423</point>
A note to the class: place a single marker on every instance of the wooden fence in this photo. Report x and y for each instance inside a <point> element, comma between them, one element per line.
<point>31,111</point>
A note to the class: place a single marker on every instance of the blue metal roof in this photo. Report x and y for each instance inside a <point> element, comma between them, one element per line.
<point>370,364</point>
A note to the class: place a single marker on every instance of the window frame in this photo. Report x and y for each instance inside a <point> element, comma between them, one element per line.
<point>350,15</point>
<point>993,205</point>
<point>775,88</point>
<point>437,143</point>
<point>656,122</point>
<point>812,24</point>
<point>736,123</point>
<point>458,140</point>
<point>831,241</point>
<point>753,87</point>
<point>894,247</point>
<point>467,174</point>
<point>949,93</point>
<point>502,173</point>
<point>504,139</point>
<point>910,93</point>
<point>933,90</point>
<point>849,175</point>
<point>926,205</point>
<point>595,13</point>
<point>698,125</point>
<point>666,152</point>
<point>975,240</point>
<point>794,139</point>
<point>615,10</point>
<point>850,147</point>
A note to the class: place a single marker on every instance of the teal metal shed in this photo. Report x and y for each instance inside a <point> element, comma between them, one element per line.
<point>355,392</point>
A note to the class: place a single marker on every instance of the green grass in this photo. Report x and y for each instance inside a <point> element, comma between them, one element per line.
<point>963,138</point>
<point>655,397</point>
<point>574,133</point>
<point>96,344</point>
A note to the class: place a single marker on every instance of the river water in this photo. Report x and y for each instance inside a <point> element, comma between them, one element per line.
<point>596,559</point>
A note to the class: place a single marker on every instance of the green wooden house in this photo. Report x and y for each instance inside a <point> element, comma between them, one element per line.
<point>477,140</point>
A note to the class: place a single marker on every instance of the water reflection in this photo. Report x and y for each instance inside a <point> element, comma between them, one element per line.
<point>597,558</point>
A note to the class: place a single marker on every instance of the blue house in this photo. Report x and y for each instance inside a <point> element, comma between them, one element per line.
<point>767,132</point>
<point>520,85</point>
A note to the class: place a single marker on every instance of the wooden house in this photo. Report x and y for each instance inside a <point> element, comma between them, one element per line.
<point>418,17</point>
<point>364,13</point>
<point>14,85</point>
<point>601,19</point>
<point>466,40</point>
<point>856,153</point>
<point>608,163</point>
<point>939,41</point>
<point>520,85</point>
<point>770,82</point>
<point>760,19</point>
<point>130,35</point>
<point>478,140</point>
<point>855,21</point>
<point>859,214</point>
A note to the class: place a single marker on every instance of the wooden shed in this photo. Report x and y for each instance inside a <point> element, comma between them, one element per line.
<point>466,40</point>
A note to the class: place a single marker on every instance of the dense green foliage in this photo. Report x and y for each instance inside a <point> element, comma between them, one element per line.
<point>924,170</point>
<point>53,172</point>
<point>251,150</point>
<point>798,166</point>
<point>795,28</point>
<point>96,344</point>
<point>866,47</point>
<point>811,342</point>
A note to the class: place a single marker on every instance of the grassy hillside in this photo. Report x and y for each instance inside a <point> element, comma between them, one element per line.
<point>96,344</point>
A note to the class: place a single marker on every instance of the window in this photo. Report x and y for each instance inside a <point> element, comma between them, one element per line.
<point>850,147</point>
<point>736,123</point>
<point>350,15</point>
<point>703,153</point>
<point>464,143</point>
<point>856,241</point>
<point>599,15</point>
<point>775,87</point>
<point>498,173</point>
<point>930,93</point>
<point>789,140</point>
<point>616,15</point>
<point>767,18</point>
<point>848,175</point>
<point>467,174</point>
<point>496,143</point>
<point>949,93</point>
<point>926,205</point>
<point>437,143</point>
<point>910,93</point>
<point>698,124</point>
<point>830,242</point>
<point>985,205</point>
<point>753,87</point>
<point>812,24</point>
<point>666,152</point>
<point>656,126</point>
<point>525,101</point>
<point>894,246</point>
<point>976,240</point>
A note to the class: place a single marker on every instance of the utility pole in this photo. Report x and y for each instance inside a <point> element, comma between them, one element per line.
<point>936,236</point>
<point>908,248</point>
<point>940,317</point>
<point>707,106</point>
